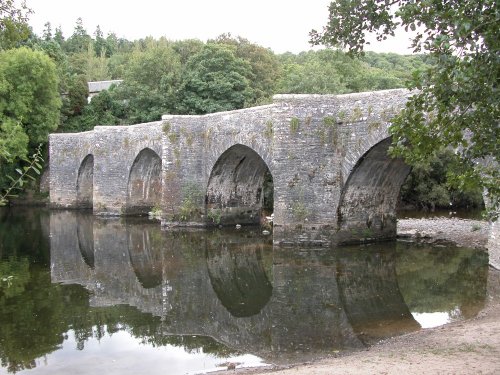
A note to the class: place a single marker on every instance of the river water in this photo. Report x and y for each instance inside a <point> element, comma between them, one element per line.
<point>82,295</point>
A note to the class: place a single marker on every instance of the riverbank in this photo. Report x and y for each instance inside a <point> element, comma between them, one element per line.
<point>461,232</point>
<point>465,347</point>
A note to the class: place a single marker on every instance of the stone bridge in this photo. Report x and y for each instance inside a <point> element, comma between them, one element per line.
<point>319,162</point>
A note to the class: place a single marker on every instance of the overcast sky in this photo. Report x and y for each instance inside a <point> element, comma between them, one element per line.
<point>281,25</point>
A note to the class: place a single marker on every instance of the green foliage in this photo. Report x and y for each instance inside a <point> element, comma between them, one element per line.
<point>215,215</point>
<point>29,92</point>
<point>29,110</point>
<point>32,167</point>
<point>187,48</point>
<point>13,23</point>
<point>294,125</point>
<point>150,82</point>
<point>264,65</point>
<point>215,79</point>
<point>429,186</point>
<point>300,211</point>
<point>334,72</point>
<point>457,102</point>
<point>191,202</point>
<point>77,93</point>
<point>79,40</point>
<point>103,109</point>
<point>269,132</point>
<point>13,141</point>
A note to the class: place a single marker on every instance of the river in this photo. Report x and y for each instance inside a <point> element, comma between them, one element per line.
<point>81,295</point>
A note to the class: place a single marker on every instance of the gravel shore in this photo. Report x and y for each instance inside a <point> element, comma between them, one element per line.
<point>462,232</point>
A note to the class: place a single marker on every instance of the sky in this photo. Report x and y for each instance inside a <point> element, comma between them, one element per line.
<point>281,25</point>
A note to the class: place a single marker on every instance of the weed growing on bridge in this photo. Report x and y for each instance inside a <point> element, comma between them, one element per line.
<point>374,125</point>
<point>356,115</point>
<point>388,114</point>
<point>367,233</point>
<point>192,198</point>
<point>173,137</point>
<point>177,155</point>
<point>329,121</point>
<point>342,116</point>
<point>189,140</point>
<point>294,125</point>
<point>269,132</point>
<point>215,215</point>
<point>299,211</point>
<point>328,133</point>
<point>166,127</point>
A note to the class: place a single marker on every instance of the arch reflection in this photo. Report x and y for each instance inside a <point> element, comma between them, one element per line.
<point>239,272</point>
<point>145,247</point>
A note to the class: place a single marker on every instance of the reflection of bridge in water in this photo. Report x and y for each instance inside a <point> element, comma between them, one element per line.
<point>279,304</point>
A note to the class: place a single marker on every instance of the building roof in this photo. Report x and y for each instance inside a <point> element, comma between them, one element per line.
<point>98,86</point>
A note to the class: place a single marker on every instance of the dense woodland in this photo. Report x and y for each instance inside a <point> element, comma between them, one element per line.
<point>180,77</point>
<point>193,77</point>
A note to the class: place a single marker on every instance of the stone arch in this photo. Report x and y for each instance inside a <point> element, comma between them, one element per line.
<point>85,183</point>
<point>367,207</point>
<point>144,183</point>
<point>240,188</point>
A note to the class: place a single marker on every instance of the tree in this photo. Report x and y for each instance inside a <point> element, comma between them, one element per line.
<point>426,186</point>
<point>59,37</point>
<point>312,77</point>
<point>150,82</point>
<point>47,32</point>
<point>29,107</point>
<point>29,92</point>
<point>79,40</point>
<point>99,44</point>
<point>263,62</point>
<point>13,23</point>
<point>457,99</point>
<point>96,67</point>
<point>13,141</point>
<point>215,80</point>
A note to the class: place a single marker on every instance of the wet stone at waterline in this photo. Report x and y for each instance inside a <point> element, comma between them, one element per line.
<point>77,291</point>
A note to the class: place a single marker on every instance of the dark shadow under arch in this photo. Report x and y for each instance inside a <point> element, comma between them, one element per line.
<point>367,208</point>
<point>240,188</point>
<point>144,183</point>
<point>85,183</point>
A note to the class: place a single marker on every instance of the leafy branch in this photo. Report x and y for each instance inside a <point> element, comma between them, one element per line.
<point>25,175</point>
